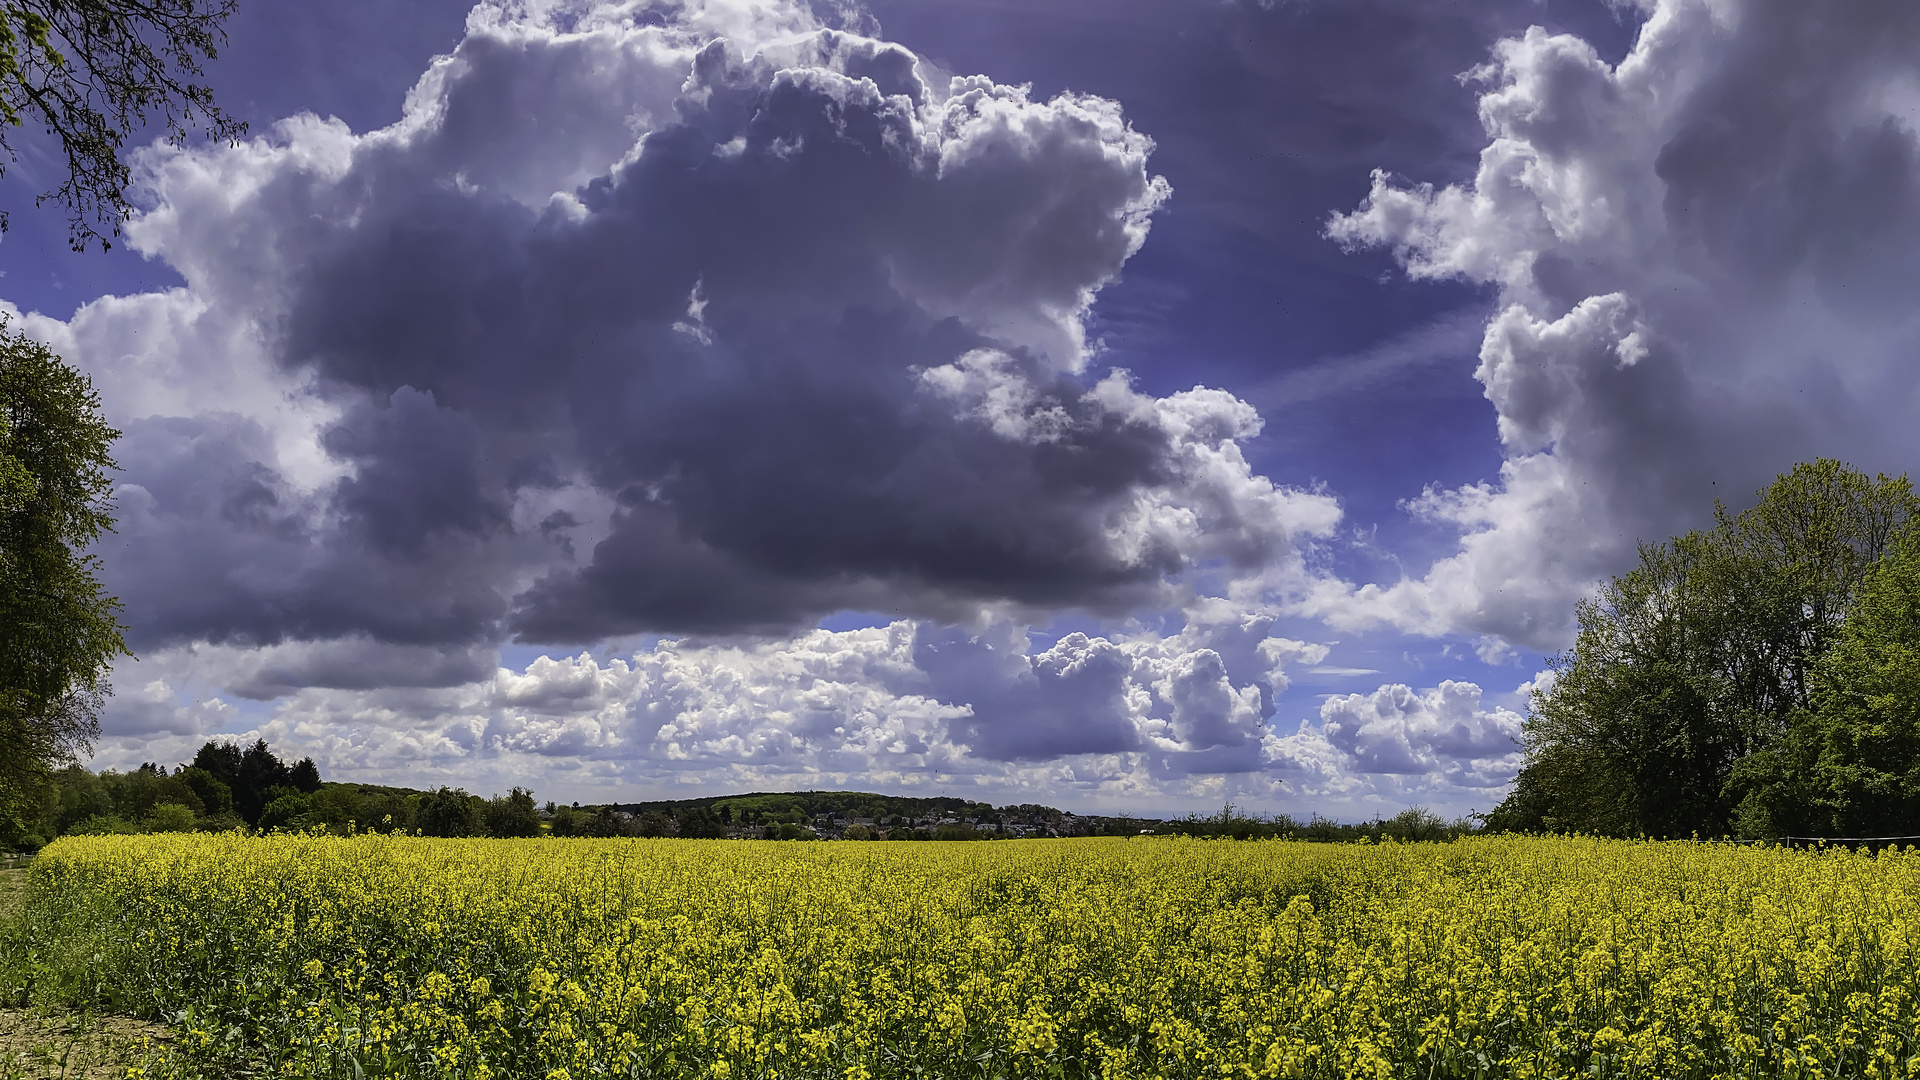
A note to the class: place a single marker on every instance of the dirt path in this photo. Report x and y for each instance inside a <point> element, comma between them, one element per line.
<point>13,887</point>
<point>39,1046</point>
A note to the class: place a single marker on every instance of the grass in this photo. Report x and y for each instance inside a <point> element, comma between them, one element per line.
<point>57,1023</point>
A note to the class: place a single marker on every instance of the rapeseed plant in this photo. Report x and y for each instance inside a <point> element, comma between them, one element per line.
<point>380,955</point>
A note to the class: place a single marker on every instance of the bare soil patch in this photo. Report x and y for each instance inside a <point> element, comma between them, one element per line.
<point>41,1046</point>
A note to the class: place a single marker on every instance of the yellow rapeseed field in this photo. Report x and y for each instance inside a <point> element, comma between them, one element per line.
<point>1494,957</point>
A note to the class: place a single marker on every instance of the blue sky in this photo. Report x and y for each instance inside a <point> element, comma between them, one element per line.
<point>1123,405</point>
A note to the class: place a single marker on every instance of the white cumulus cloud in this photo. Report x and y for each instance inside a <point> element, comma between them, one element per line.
<point>1701,257</point>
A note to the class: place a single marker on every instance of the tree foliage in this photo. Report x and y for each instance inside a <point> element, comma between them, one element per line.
<point>1867,696</point>
<point>1693,671</point>
<point>254,777</point>
<point>1850,766</point>
<point>449,811</point>
<point>59,631</point>
<point>513,814</point>
<point>91,72</point>
<point>699,823</point>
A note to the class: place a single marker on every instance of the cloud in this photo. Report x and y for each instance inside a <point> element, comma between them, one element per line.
<point>1192,702</point>
<point>697,318</point>
<point>713,319</point>
<point>142,714</point>
<point>710,322</point>
<point>1698,256</point>
<point>1442,731</point>
<point>356,663</point>
<point>917,697</point>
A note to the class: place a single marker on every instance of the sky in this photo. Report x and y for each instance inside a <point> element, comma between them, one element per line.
<point>1116,404</point>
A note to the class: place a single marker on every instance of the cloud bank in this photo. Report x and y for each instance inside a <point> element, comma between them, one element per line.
<point>716,321</point>
<point>1089,721</point>
<point>711,320</point>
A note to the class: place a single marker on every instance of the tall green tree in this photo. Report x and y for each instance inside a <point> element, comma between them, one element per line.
<point>513,814</point>
<point>1850,764</point>
<point>1867,704</point>
<point>1701,658</point>
<point>59,631</point>
<point>447,811</point>
<point>251,776</point>
<point>91,72</point>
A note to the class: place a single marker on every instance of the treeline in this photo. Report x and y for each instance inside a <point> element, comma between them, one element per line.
<point>1759,679</point>
<point>856,815</point>
<point>1413,824</point>
<point>804,806</point>
<point>225,787</point>
<point>228,787</point>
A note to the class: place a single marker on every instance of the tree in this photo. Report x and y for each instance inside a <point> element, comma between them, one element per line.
<point>15,483</point>
<point>1689,672</point>
<point>135,794</point>
<point>1851,764</point>
<point>168,817</point>
<point>451,812</point>
<point>699,823</point>
<point>251,775</point>
<point>513,815</point>
<point>653,823</point>
<point>604,823</point>
<point>91,72</point>
<point>1867,704</point>
<point>284,808</point>
<point>214,794</point>
<point>220,760</point>
<point>59,631</point>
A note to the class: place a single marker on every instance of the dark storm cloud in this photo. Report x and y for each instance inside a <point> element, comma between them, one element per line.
<point>1768,176</point>
<point>628,328</point>
<point>777,468</point>
<point>419,478</point>
<point>213,546</point>
<point>356,663</point>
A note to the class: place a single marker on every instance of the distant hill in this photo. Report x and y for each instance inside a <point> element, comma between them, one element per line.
<point>767,806</point>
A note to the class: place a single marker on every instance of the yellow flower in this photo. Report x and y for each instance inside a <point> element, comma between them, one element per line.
<point>1174,959</point>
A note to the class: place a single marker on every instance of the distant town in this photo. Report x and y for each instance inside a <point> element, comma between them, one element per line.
<point>853,815</point>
